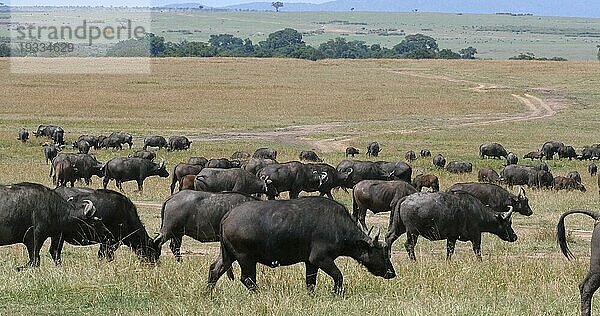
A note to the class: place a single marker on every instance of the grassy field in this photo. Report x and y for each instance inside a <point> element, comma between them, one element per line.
<point>494,36</point>
<point>448,107</point>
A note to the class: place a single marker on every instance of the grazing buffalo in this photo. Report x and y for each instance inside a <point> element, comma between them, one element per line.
<point>64,172</point>
<point>516,175</point>
<point>575,176</point>
<point>155,141</point>
<point>425,153</point>
<point>534,155</point>
<point>292,176</point>
<point>588,153</point>
<point>566,152</point>
<point>410,156</point>
<point>255,164</point>
<point>399,170</point>
<point>223,163</point>
<point>50,151</point>
<point>488,175</point>
<point>82,146</point>
<point>569,184</point>
<point>129,169</point>
<point>187,183</point>
<point>237,180</point>
<point>85,166</point>
<point>195,214</point>
<point>265,153</point>
<point>197,161</point>
<point>591,282</point>
<point>493,150</point>
<point>313,230</point>
<point>23,135</point>
<point>450,216</point>
<point>361,170</point>
<point>309,155</point>
<point>240,155</point>
<point>459,167</point>
<point>494,196</point>
<point>333,179</point>
<point>94,141</point>
<point>511,159</point>
<point>180,171</point>
<point>439,161</point>
<point>540,179</point>
<point>120,217</point>
<point>377,196</point>
<point>351,151</point>
<point>56,133</point>
<point>426,181</point>
<point>31,213</point>
<point>592,169</point>
<point>550,148</point>
<point>116,140</point>
<point>373,149</point>
<point>178,143</point>
<point>144,154</point>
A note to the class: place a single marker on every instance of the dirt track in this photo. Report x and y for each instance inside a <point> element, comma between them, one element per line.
<point>538,108</point>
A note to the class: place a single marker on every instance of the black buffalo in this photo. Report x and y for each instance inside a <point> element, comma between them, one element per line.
<point>439,161</point>
<point>575,176</point>
<point>309,155</point>
<point>488,175</point>
<point>85,165</point>
<point>197,161</point>
<point>64,172</point>
<point>144,154</point>
<point>450,216</point>
<point>398,170</point>
<point>516,175</point>
<point>223,163</point>
<point>292,176</point>
<point>511,159</point>
<point>116,140</point>
<point>178,143</point>
<point>195,214</point>
<point>550,148</point>
<point>459,167</point>
<point>265,153</point>
<point>83,146</point>
<point>494,196</point>
<point>180,171</point>
<point>155,141</point>
<point>123,169</point>
<point>592,169</point>
<point>313,230</point>
<point>426,181</point>
<point>56,133</point>
<point>566,152</point>
<point>31,213</point>
<point>50,151</point>
<point>591,282</point>
<point>23,135</point>
<point>351,151</point>
<point>373,149</point>
<point>410,156</point>
<point>255,164</point>
<point>361,170</point>
<point>237,180</point>
<point>377,196</point>
<point>240,155</point>
<point>540,179</point>
<point>333,179</point>
<point>534,155</point>
<point>120,217</point>
<point>425,153</point>
<point>569,184</point>
<point>588,153</point>
<point>94,141</point>
<point>493,150</point>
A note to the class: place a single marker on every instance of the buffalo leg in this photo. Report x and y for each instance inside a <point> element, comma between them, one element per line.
<point>395,230</point>
<point>477,247</point>
<point>107,251</point>
<point>140,184</point>
<point>219,267</point>
<point>56,245</point>
<point>450,245</point>
<point>328,266</point>
<point>311,276</point>
<point>294,194</point>
<point>588,286</point>
<point>33,242</point>
<point>105,182</point>
<point>411,242</point>
<point>248,276</point>
<point>175,247</point>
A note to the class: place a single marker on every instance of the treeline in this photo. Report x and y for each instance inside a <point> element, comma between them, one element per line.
<point>286,43</point>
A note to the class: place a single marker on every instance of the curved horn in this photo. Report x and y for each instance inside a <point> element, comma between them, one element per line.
<point>506,215</point>
<point>522,192</point>
<point>376,238</point>
<point>162,164</point>
<point>351,170</point>
<point>89,209</point>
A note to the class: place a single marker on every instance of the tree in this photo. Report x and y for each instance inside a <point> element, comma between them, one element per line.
<point>225,41</point>
<point>281,43</point>
<point>468,53</point>
<point>417,46</point>
<point>340,48</point>
<point>150,45</point>
<point>448,54</point>
<point>277,5</point>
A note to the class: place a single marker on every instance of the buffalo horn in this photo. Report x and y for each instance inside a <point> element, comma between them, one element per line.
<point>506,215</point>
<point>89,209</point>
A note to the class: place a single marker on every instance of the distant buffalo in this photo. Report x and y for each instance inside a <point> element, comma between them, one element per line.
<point>240,155</point>
<point>566,152</point>
<point>592,169</point>
<point>564,183</point>
<point>410,156</point>
<point>265,153</point>
<point>459,167</point>
<point>488,175</point>
<point>373,149</point>
<point>512,159</point>
<point>550,148</point>
<point>178,143</point>
<point>425,153</point>
<point>309,155</point>
<point>439,161</point>
<point>426,181</point>
<point>534,155</point>
<point>351,151</point>
<point>155,141</point>
<point>494,150</point>
<point>23,135</point>
<point>144,154</point>
<point>132,169</point>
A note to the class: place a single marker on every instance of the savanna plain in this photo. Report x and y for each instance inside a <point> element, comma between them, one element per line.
<point>226,104</point>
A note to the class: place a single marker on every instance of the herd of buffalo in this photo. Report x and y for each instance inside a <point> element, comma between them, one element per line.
<point>220,200</point>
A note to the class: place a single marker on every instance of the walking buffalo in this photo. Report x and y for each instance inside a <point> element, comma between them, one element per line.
<point>540,179</point>
<point>377,196</point>
<point>313,230</point>
<point>534,155</point>
<point>511,159</point>
<point>309,155</point>
<point>23,135</point>
<point>361,170</point>
<point>144,154</point>
<point>494,150</point>
<point>410,156</point>
<point>56,133</point>
<point>591,282</point>
<point>459,167</point>
<point>426,181</point>
<point>566,152</point>
<point>195,214</point>
<point>129,169</point>
<point>450,216</point>
<point>180,171</point>
<point>439,161</point>
<point>569,184</point>
<point>550,148</point>
<point>116,140</point>
<point>494,196</point>
<point>488,175</point>
<point>178,143</point>
<point>31,213</point>
<point>120,217</point>
<point>265,153</point>
<point>155,141</point>
<point>333,178</point>
<point>373,149</point>
<point>64,172</point>
<point>83,146</point>
<point>592,169</point>
<point>292,176</point>
<point>515,175</point>
<point>425,153</point>
<point>50,151</point>
<point>237,180</point>
<point>85,166</point>
<point>351,151</point>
